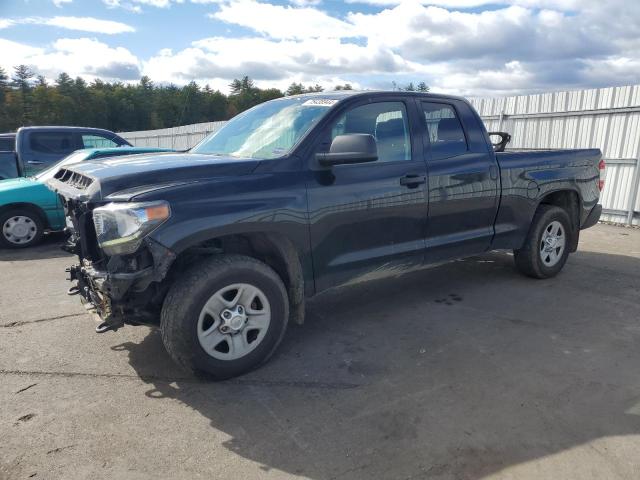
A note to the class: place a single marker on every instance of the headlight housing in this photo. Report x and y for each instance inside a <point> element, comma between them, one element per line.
<point>120,227</point>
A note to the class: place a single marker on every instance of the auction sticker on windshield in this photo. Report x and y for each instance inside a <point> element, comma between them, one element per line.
<point>320,102</point>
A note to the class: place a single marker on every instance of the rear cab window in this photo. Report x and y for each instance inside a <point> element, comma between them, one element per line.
<point>7,144</point>
<point>444,129</point>
<point>97,141</point>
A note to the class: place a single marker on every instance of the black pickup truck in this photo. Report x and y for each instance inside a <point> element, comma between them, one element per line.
<point>220,246</point>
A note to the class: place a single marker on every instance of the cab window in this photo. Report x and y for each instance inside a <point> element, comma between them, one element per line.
<point>445,131</point>
<point>386,121</point>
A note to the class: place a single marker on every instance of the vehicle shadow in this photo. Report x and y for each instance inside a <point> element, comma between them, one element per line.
<point>455,372</point>
<point>48,248</point>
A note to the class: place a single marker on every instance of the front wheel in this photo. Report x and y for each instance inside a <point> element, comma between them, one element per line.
<point>546,247</point>
<point>225,316</point>
<point>20,228</point>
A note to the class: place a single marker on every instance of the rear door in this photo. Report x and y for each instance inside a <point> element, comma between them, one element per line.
<point>368,220</point>
<point>463,181</point>
<point>41,149</point>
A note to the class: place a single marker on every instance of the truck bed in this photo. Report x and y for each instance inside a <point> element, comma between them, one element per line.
<point>529,174</point>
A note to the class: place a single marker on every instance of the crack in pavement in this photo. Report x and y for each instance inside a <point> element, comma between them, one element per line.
<point>26,388</point>
<point>148,378</point>
<point>48,319</point>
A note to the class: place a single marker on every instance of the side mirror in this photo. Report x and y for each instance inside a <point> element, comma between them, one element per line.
<point>351,148</point>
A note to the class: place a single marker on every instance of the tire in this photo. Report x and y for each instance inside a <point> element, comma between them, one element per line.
<point>184,317</point>
<point>20,228</point>
<point>545,261</point>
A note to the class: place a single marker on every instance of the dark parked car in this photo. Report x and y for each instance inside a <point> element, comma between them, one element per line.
<point>33,149</point>
<point>220,246</point>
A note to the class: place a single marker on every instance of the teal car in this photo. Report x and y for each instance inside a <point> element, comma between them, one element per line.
<point>28,208</point>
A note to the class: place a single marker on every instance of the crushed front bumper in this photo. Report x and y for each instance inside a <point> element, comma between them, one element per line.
<point>121,297</point>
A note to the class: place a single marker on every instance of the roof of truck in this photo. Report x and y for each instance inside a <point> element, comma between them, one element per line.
<point>63,127</point>
<point>342,94</point>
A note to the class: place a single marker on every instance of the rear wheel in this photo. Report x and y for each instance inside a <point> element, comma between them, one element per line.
<point>225,316</point>
<point>20,228</point>
<point>546,248</point>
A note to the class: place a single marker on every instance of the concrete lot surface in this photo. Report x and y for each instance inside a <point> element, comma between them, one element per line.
<point>464,371</point>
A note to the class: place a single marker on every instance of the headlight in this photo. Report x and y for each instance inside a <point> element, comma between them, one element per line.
<point>120,227</point>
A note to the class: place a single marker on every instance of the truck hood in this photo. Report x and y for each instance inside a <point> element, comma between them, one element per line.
<point>97,179</point>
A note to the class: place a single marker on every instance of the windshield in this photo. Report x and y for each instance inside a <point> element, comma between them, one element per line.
<point>51,171</point>
<point>268,130</point>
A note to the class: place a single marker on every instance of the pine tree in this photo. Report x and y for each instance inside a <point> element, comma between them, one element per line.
<point>121,107</point>
<point>4,84</point>
<point>295,89</point>
<point>21,80</point>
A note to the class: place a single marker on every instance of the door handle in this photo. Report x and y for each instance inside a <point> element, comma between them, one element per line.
<point>34,162</point>
<point>493,172</point>
<point>412,181</point>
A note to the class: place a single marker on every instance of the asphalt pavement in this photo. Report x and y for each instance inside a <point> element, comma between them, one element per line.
<point>463,371</point>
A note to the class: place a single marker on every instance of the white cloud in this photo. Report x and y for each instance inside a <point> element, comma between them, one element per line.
<point>83,24</point>
<point>86,24</point>
<point>306,3</point>
<point>434,34</point>
<point>155,3</point>
<point>124,5</point>
<point>566,5</point>
<point>508,50</point>
<point>134,5</point>
<point>14,53</point>
<point>513,46</point>
<point>279,21</point>
<point>84,57</point>
<point>276,62</point>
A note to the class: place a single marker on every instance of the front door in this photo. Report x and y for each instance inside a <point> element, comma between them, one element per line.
<point>41,149</point>
<point>368,220</point>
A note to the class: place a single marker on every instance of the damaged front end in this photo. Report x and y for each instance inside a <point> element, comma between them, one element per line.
<point>120,269</point>
<point>123,290</point>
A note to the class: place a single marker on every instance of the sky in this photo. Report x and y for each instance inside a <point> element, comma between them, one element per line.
<point>464,47</point>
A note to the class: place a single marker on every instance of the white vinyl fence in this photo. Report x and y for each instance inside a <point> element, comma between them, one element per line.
<point>606,118</point>
<point>178,138</point>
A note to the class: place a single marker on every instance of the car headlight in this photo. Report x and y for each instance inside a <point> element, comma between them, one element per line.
<point>120,227</point>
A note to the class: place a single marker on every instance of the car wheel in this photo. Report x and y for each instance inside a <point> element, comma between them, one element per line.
<point>546,247</point>
<point>225,316</point>
<point>20,228</point>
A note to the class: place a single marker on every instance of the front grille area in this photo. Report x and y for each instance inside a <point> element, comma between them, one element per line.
<point>73,179</point>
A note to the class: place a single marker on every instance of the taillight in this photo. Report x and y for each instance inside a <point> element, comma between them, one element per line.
<point>601,166</point>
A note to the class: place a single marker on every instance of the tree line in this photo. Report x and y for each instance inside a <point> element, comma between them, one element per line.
<point>27,99</point>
